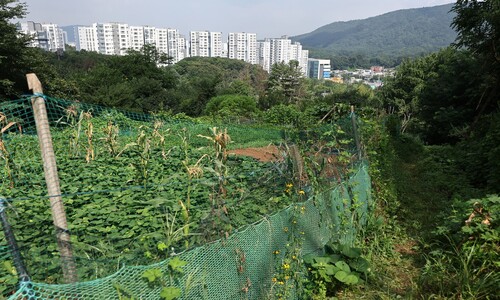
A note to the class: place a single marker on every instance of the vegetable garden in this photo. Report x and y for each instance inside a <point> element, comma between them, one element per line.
<point>159,206</point>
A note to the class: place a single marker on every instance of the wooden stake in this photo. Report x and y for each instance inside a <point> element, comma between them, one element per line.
<point>52,179</point>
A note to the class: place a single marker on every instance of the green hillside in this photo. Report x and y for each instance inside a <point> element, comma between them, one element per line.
<point>406,32</point>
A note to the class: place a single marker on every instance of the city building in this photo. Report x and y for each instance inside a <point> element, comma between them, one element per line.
<point>136,37</point>
<point>281,50</point>
<point>206,44</point>
<point>118,38</point>
<point>216,46</point>
<point>242,46</point>
<point>112,38</point>
<point>86,38</point>
<point>319,68</point>
<point>182,48</point>
<point>55,37</point>
<point>199,43</point>
<point>48,37</point>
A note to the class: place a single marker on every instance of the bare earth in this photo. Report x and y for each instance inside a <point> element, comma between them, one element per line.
<point>264,154</point>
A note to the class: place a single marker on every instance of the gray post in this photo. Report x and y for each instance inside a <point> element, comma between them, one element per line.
<point>11,241</point>
<point>52,180</point>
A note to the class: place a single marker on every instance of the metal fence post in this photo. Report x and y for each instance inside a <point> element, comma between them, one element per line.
<point>11,241</point>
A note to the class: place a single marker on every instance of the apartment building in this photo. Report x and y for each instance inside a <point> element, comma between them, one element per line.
<point>199,43</point>
<point>300,55</point>
<point>264,54</point>
<point>117,38</point>
<point>86,39</point>
<point>45,36</point>
<point>55,37</point>
<point>112,38</point>
<point>242,46</point>
<point>281,50</point>
<point>182,48</point>
<point>162,40</point>
<point>136,37</point>
<point>216,46</point>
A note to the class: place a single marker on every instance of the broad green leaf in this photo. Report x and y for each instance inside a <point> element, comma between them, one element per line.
<point>308,259</point>
<point>331,269</point>
<point>341,276</point>
<point>350,252</point>
<point>176,264</point>
<point>351,279</point>
<point>322,259</point>
<point>360,264</point>
<point>343,266</point>
<point>152,274</point>
<point>170,293</point>
<point>162,246</point>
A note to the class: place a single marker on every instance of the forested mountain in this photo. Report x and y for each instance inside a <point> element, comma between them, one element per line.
<point>402,33</point>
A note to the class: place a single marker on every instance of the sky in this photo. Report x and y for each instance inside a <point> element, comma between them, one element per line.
<point>267,18</point>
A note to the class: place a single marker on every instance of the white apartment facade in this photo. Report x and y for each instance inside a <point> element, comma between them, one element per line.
<point>55,37</point>
<point>281,50</point>
<point>112,38</point>
<point>182,49</point>
<point>86,39</point>
<point>117,38</point>
<point>199,43</point>
<point>136,37</point>
<point>242,46</point>
<point>45,36</point>
<point>216,46</point>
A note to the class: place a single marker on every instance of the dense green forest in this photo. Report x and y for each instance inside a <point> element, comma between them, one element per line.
<point>382,40</point>
<point>431,133</point>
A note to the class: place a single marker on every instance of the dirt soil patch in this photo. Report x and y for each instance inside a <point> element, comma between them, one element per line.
<point>264,154</point>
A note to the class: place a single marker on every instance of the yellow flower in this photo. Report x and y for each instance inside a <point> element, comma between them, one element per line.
<point>281,282</point>
<point>289,185</point>
<point>276,252</point>
<point>286,266</point>
<point>301,192</point>
<point>294,257</point>
<point>285,229</point>
<point>274,279</point>
<point>287,277</point>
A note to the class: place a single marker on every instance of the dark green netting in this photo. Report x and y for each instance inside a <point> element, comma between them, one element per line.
<point>124,210</point>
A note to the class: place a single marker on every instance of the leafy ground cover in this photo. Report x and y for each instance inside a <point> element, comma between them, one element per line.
<point>136,192</point>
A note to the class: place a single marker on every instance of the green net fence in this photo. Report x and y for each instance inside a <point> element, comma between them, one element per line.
<point>158,205</point>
